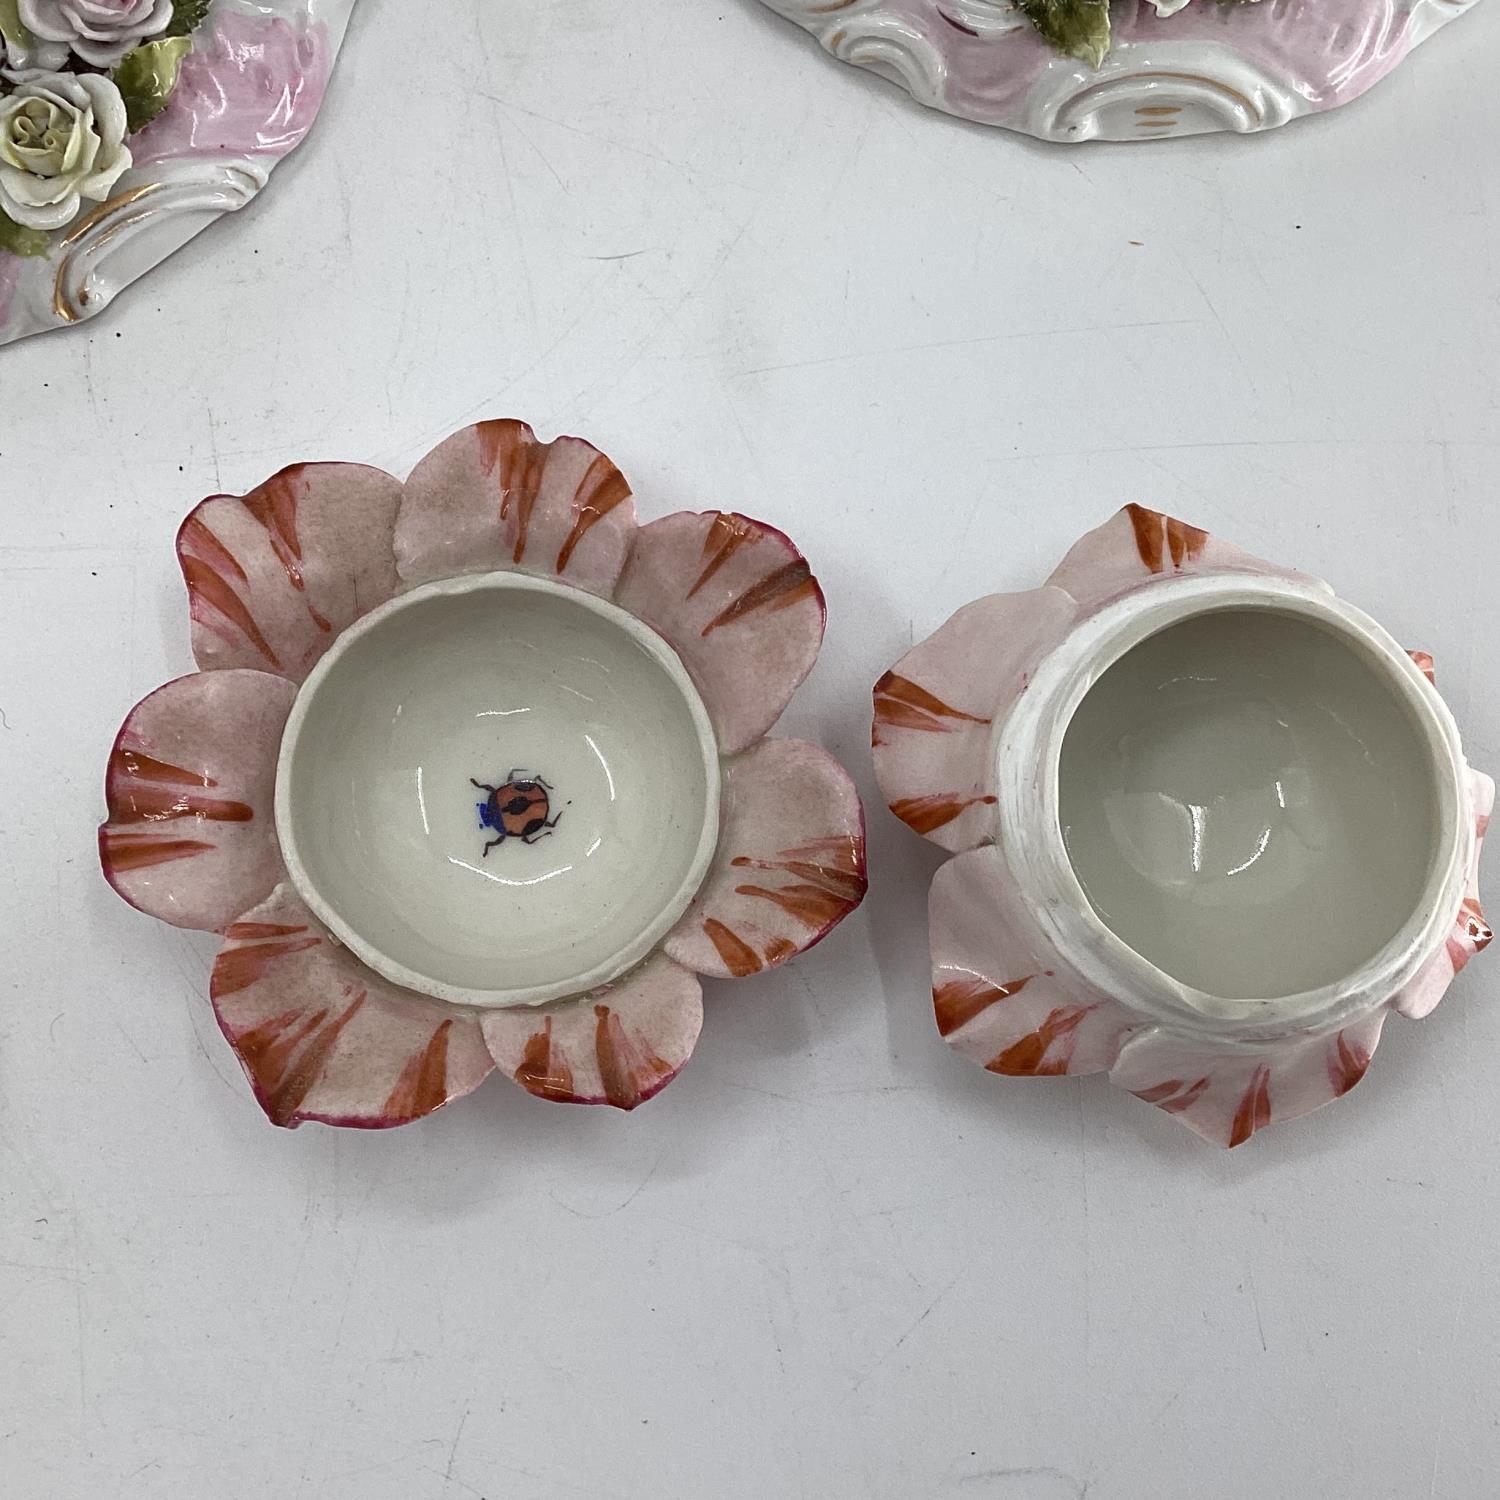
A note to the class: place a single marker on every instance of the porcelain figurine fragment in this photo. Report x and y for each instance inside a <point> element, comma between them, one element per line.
<point>1211,827</point>
<point>126,126</point>
<point>1133,70</point>
<point>474,775</point>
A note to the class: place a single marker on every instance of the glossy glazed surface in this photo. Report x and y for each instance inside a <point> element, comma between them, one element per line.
<point>1207,67</point>
<point>248,94</point>
<point>405,905</point>
<point>1242,798</point>
<point>596,812</point>
<point>1211,826</point>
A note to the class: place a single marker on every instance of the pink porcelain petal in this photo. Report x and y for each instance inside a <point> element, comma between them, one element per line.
<point>1471,933</point>
<point>191,835</point>
<point>1136,547</point>
<point>790,864</point>
<point>741,606</point>
<point>1226,1097</point>
<point>998,994</point>
<point>275,575</point>
<point>493,496</point>
<point>935,709</point>
<point>321,1037</point>
<point>620,1045</point>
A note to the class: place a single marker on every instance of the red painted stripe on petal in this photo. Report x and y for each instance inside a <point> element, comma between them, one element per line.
<point>739,957</point>
<point>603,489</point>
<point>144,789</point>
<point>1347,1064</point>
<point>1254,1112</point>
<point>286,1056</point>
<point>1184,1102</point>
<point>510,451</point>
<point>207,589</point>
<point>780,589</point>
<point>925,814</point>
<point>725,537</point>
<point>423,1084</point>
<point>1047,1051</point>
<point>957,1002</point>
<point>544,1070</point>
<point>809,904</point>
<point>123,852</point>
<point>237,969</point>
<point>630,1071</point>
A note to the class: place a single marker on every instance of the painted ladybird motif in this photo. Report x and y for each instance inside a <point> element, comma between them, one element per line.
<point>518,808</point>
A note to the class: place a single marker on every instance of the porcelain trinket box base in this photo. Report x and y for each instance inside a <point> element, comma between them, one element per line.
<point>1211,826</point>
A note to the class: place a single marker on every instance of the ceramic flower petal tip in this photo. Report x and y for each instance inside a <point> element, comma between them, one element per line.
<point>494,496</point>
<point>790,864</point>
<point>935,711</point>
<point>321,1037</point>
<point>1470,934</point>
<point>998,995</point>
<point>620,1045</point>
<point>741,606</point>
<point>1136,547</point>
<point>1227,1097</point>
<point>274,576</point>
<point>191,834</point>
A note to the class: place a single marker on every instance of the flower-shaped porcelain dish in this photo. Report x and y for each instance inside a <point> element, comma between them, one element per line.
<point>161,117</point>
<point>1205,66</point>
<point>1211,826</point>
<point>474,775</point>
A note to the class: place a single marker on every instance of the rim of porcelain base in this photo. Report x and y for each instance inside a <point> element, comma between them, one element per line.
<point>1026,751</point>
<point>628,955</point>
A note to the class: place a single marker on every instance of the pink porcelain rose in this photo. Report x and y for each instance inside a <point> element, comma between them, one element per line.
<point>101,32</point>
<point>474,777</point>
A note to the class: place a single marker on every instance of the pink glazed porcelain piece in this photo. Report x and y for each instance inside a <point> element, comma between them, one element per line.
<point>242,90</point>
<point>1211,826</point>
<point>1198,66</point>
<point>474,776</point>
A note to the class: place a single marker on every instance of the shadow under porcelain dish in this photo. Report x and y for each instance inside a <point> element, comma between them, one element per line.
<point>509,682</point>
<point>475,777</point>
<point>1212,826</point>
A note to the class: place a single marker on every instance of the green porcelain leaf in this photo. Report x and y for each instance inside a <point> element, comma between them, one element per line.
<point>10,24</point>
<point>187,16</point>
<point>1076,28</point>
<point>147,76</point>
<point>19,240</point>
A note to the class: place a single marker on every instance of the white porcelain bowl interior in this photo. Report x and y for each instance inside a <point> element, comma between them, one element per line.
<point>498,790</point>
<point>1250,800</point>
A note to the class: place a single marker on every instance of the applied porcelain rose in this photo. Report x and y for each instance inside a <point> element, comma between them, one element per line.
<point>247,93</point>
<point>1210,66</point>
<point>1212,826</point>
<point>474,776</point>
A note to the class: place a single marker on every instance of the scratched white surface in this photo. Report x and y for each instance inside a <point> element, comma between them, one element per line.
<point>833,1260</point>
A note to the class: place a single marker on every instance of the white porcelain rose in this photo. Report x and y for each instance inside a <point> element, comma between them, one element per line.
<point>62,139</point>
<point>101,32</point>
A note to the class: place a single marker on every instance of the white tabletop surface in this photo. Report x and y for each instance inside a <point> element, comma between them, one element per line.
<point>833,1260</point>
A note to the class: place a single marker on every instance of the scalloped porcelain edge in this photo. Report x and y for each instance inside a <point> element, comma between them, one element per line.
<point>1033,974</point>
<point>1208,67</point>
<point>475,776</point>
<point>247,96</point>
